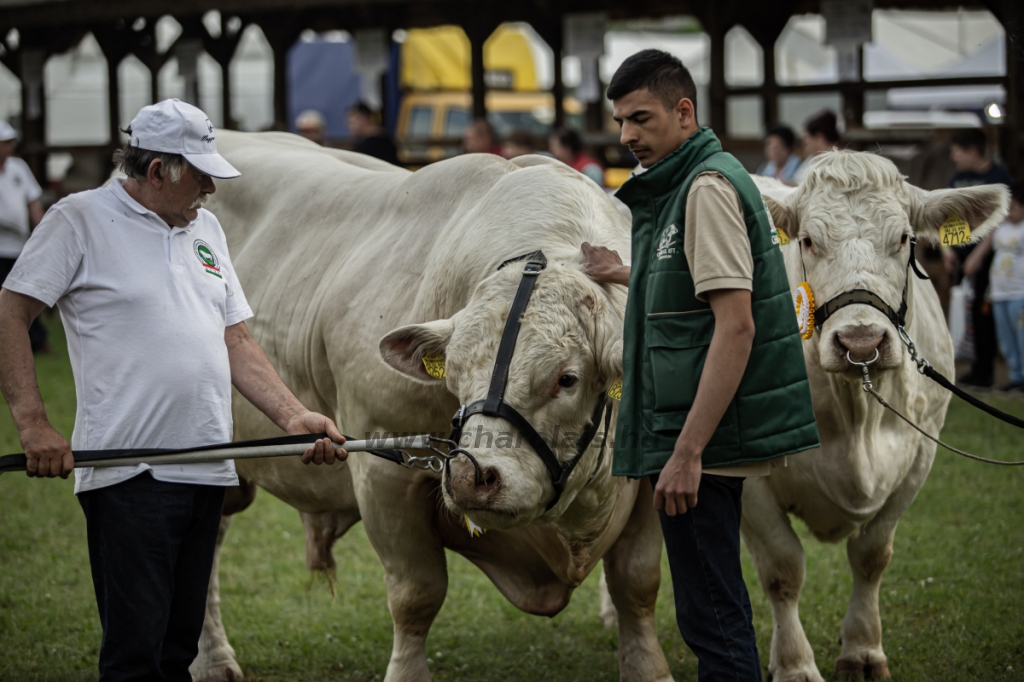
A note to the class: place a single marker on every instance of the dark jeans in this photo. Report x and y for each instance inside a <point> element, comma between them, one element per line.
<point>983,324</point>
<point>151,550</point>
<point>36,332</point>
<point>712,605</point>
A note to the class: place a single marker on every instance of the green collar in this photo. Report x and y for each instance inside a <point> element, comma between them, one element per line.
<point>667,174</point>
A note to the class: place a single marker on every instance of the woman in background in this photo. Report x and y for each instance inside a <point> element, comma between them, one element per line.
<point>821,133</point>
<point>781,162</point>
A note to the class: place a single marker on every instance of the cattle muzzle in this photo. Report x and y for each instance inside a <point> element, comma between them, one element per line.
<point>852,344</point>
<point>494,404</point>
<point>471,487</point>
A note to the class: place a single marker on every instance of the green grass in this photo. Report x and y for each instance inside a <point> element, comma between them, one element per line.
<point>952,600</point>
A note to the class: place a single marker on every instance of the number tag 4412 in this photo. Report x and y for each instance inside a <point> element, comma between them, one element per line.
<point>954,231</point>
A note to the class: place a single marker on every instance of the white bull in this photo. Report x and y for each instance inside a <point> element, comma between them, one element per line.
<point>850,225</point>
<point>336,252</point>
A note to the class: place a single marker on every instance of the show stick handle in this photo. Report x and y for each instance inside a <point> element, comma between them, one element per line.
<point>17,462</point>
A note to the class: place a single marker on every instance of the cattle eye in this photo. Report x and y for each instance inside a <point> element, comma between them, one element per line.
<point>806,241</point>
<point>568,380</point>
<point>903,240</point>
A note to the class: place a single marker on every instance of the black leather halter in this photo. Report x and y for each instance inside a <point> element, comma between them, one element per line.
<point>494,404</point>
<point>898,317</point>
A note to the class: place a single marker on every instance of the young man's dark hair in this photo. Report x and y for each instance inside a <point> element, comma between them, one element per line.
<point>966,138</point>
<point>784,133</point>
<point>824,124</point>
<point>657,71</point>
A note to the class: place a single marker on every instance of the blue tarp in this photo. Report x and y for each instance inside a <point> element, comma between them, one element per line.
<point>321,76</point>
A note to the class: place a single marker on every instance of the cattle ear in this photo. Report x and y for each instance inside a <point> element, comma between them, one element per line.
<point>406,347</point>
<point>782,216</point>
<point>983,207</point>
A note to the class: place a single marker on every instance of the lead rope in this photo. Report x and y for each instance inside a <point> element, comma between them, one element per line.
<point>921,363</point>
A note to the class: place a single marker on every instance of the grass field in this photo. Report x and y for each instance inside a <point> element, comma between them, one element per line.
<point>952,600</point>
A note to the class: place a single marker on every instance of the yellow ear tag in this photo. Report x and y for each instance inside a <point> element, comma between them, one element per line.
<point>615,392</point>
<point>954,231</point>
<point>783,239</point>
<point>474,530</point>
<point>803,301</point>
<point>434,365</point>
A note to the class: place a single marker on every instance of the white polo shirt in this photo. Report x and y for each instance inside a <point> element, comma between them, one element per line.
<point>144,306</point>
<point>17,190</point>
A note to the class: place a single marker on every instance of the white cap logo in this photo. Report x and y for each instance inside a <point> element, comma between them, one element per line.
<point>177,127</point>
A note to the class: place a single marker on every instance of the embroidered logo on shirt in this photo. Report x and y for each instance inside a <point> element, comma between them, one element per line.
<point>207,257</point>
<point>667,245</point>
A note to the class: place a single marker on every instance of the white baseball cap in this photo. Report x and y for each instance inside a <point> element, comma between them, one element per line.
<point>178,127</point>
<point>7,133</point>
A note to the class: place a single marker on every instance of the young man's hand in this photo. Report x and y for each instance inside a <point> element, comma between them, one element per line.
<point>47,453</point>
<point>324,450</point>
<point>604,265</point>
<point>678,482</point>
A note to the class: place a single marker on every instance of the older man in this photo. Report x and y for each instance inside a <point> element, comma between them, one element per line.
<point>155,324</point>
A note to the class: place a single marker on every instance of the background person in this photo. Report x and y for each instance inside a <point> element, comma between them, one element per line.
<point>520,142</point>
<point>821,133</point>
<point>311,125</point>
<point>695,272</point>
<point>480,138</point>
<point>20,211</point>
<point>1004,248</point>
<point>567,146</point>
<point>781,162</point>
<point>370,137</point>
<point>967,150</point>
<point>156,335</point>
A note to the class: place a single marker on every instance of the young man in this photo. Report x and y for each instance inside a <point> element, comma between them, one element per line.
<point>967,151</point>
<point>156,333</point>
<point>714,383</point>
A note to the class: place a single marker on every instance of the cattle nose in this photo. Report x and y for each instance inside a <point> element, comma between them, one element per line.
<point>861,342</point>
<point>466,489</point>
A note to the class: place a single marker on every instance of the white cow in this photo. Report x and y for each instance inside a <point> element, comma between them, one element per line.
<point>345,259</point>
<point>850,225</point>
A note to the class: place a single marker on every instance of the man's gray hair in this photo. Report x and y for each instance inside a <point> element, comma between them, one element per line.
<point>134,162</point>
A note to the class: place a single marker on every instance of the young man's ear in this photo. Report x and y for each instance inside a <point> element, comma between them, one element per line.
<point>685,112</point>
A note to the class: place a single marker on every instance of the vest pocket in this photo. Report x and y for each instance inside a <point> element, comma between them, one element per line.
<point>677,344</point>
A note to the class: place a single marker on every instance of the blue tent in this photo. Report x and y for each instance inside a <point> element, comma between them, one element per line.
<point>322,76</point>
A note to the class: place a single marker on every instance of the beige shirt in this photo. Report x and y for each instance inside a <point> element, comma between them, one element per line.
<point>717,250</point>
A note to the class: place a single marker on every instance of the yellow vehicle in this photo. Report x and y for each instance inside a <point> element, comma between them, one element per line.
<point>431,124</point>
<point>436,103</point>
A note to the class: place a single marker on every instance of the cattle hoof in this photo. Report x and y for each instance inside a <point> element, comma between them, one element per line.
<point>802,675</point>
<point>223,673</point>
<point>853,669</point>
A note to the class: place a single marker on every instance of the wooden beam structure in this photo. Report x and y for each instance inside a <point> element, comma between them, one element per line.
<point>49,27</point>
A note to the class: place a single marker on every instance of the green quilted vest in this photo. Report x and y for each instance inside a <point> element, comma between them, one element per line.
<point>668,329</point>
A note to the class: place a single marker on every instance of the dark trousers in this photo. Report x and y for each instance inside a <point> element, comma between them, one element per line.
<point>712,605</point>
<point>984,328</point>
<point>151,550</point>
<point>36,331</point>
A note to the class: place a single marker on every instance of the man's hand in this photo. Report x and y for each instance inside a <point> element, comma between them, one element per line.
<point>47,452</point>
<point>323,451</point>
<point>604,265</point>
<point>678,482</point>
